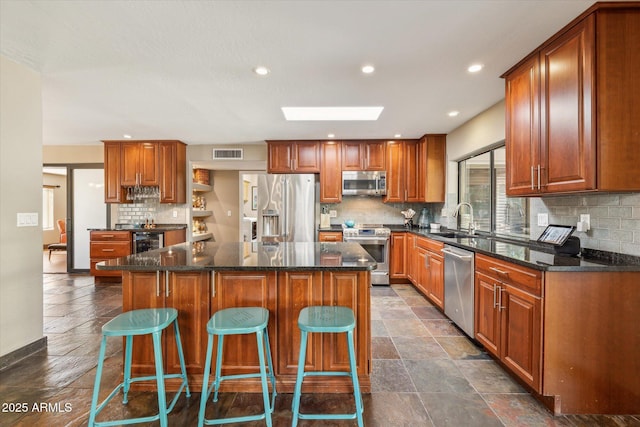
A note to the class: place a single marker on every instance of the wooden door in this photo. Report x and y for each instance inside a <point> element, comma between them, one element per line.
<point>523,128</point>
<point>421,274</point>
<point>411,172</point>
<point>143,290</point>
<point>352,156</point>
<point>188,292</point>
<point>307,157</point>
<point>130,158</point>
<point>411,258</point>
<point>112,187</point>
<point>279,157</point>
<point>375,155</point>
<point>395,172</point>
<point>244,289</point>
<point>521,325</point>
<point>568,146</point>
<point>297,290</point>
<point>436,279</point>
<point>149,168</point>
<point>398,256</point>
<point>432,168</point>
<point>330,172</point>
<point>348,289</point>
<point>487,317</point>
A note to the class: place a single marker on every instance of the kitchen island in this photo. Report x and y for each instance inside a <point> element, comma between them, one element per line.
<point>201,278</point>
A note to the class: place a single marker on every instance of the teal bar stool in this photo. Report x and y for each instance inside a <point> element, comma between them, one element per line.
<point>327,319</point>
<point>238,321</point>
<point>140,322</point>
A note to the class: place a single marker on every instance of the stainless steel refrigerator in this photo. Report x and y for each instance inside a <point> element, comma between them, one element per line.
<point>286,208</point>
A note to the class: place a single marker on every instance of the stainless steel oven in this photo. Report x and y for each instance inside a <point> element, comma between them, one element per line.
<point>375,240</point>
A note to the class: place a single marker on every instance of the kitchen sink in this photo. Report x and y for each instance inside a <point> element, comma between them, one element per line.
<point>453,234</point>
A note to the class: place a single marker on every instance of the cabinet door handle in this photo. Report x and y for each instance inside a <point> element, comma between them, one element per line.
<point>539,174</point>
<point>501,272</point>
<point>158,283</point>
<point>500,306</point>
<point>108,235</point>
<point>108,250</point>
<point>166,284</point>
<point>213,284</point>
<point>427,258</point>
<point>494,295</point>
<point>533,186</point>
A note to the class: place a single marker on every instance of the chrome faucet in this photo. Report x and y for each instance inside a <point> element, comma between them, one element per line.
<point>456,212</point>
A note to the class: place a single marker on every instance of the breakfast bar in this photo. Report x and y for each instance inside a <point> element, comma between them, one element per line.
<point>201,278</point>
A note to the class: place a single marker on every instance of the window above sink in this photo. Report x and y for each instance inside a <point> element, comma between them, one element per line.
<point>482,183</point>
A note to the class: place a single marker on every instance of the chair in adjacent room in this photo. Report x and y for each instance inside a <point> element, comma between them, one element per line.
<point>238,321</point>
<point>327,319</point>
<point>62,243</point>
<point>151,321</point>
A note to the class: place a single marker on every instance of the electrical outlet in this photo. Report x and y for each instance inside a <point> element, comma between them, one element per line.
<point>543,219</point>
<point>585,223</point>
<point>333,213</point>
<point>175,213</point>
<point>228,213</point>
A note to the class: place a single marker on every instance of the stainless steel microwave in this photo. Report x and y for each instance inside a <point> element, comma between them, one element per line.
<point>365,183</point>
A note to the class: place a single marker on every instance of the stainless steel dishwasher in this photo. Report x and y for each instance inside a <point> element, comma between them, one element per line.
<point>458,287</point>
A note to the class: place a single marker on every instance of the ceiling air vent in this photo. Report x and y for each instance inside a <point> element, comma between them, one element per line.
<point>227,154</point>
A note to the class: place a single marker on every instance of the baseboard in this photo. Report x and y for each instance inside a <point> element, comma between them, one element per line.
<point>16,356</point>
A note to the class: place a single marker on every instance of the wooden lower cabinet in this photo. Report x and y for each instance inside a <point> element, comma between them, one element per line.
<point>198,295</point>
<point>106,245</point>
<point>398,256</point>
<point>188,292</point>
<point>508,316</point>
<point>426,270</point>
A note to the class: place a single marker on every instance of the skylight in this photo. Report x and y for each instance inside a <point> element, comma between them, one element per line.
<point>331,113</point>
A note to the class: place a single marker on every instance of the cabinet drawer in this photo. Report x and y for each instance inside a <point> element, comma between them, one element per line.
<point>110,235</point>
<point>432,245</point>
<point>110,249</point>
<point>524,278</point>
<point>330,236</point>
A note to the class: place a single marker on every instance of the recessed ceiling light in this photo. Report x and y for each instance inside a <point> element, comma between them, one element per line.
<point>475,68</point>
<point>261,71</point>
<point>126,136</point>
<point>331,135</point>
<point>332,113</point>
<point>453,113</point>
<point>368,69</point>
<point>397,135</point>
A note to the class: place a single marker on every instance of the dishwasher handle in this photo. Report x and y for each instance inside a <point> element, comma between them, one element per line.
<point>447,251</point>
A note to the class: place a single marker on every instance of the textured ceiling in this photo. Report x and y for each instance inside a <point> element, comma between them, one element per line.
<point>183,69</point>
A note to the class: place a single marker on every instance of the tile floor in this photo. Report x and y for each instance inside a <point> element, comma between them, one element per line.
<point>425,372</point>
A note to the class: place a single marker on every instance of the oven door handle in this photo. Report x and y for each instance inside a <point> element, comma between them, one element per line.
<point>367,240</point>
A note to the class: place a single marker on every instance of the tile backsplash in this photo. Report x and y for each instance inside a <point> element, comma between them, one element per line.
<point>161,213</point>
<point>615,219</point>
<point>371,210</point>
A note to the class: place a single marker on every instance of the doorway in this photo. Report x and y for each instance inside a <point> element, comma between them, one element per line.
<point>249,205</point>
<point>80,202</point>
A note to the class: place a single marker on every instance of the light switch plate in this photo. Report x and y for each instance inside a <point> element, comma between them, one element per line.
<point>543,219</point>
<point>333,213</point>
<point>27,219</point>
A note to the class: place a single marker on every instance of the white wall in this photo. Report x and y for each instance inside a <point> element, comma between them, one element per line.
<point>484,130</point>
<point>20,191</point>
<point>59,205</point>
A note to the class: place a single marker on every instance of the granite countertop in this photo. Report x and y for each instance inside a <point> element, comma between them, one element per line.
<point>532,254</point>
<point>247,256</point>
<point>159,228</point>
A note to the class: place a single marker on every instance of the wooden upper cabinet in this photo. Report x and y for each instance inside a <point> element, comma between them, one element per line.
<point>416,169</point>
<point>432,168</point>
<point>330,172</point>
<point>293,156</point>
<point>395,172</point>
<point>147,163</point>
<point>112,188</point>
<point>364,155</point>
<point>572,110</point>
<point>173,164</point>
<point>140,164</point>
